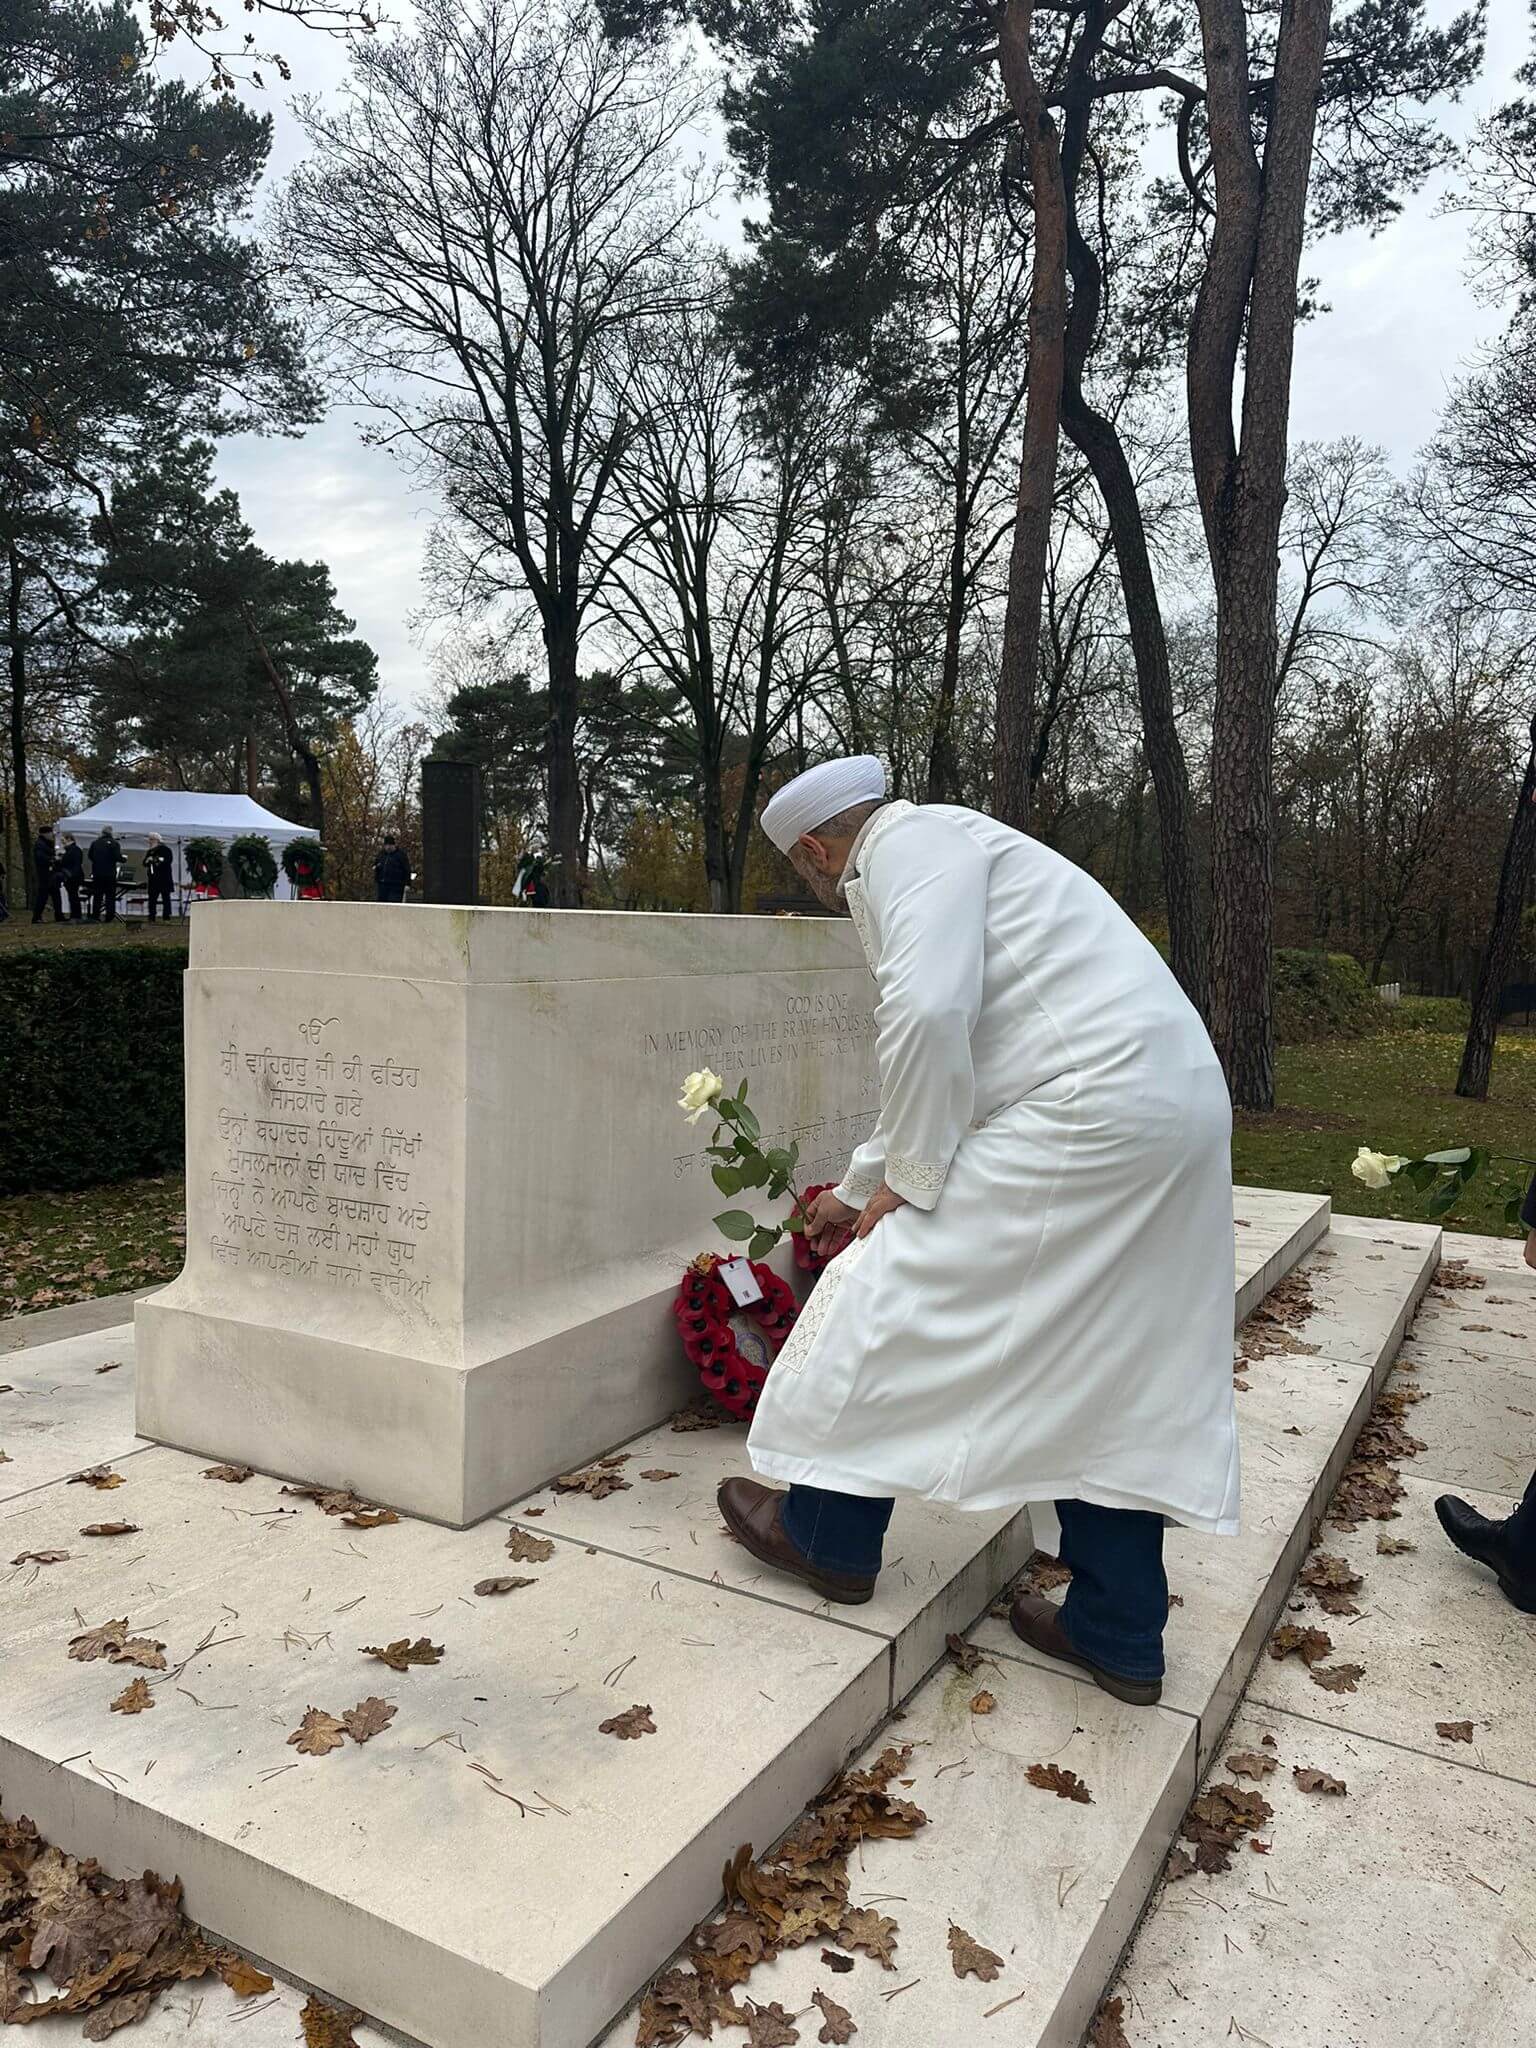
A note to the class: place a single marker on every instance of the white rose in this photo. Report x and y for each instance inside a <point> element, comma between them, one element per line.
<point>700,1091</point>
<point>1375,1169</point>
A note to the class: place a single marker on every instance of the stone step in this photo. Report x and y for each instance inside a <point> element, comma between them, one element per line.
<point>492,1868</point>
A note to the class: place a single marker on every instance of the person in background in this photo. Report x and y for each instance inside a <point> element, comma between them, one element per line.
<point>46,876</point>
<point>1508,1545</point>
<point>72,870</point>
<point>392,871</point>
<point>159,867</point>
<point>102,853</point>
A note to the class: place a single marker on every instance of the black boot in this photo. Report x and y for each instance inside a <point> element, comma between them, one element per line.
<point>1487,1541</point>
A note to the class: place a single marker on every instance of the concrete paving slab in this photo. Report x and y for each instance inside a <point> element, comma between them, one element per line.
<point>1365,1291</point>
<point>491,1867</point>
<point>64,1406</point>
<point>1478,1424</point>
<point>1400,1913</point>
<point>1438,1641</point>
<point>1232,1588</point>
<point>206,2015</point>
<point>1495,1321</point>
<point>1050,1885</point>
<point>70,1319</point>
<point>1273,1230</point>
<point>942,1566</point>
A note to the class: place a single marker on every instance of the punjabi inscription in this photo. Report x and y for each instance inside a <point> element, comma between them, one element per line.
<point>318,1152</point>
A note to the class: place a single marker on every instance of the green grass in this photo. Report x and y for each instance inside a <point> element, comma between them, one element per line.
<point>19,932</point>
<point>105,1240</point>
<point>1394,1091</point>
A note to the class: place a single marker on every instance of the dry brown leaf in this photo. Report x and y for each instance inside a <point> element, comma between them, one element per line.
<point>134,1698</point>
<point>370,1518</point>
<point>1250,1763</point>
<point>1215,1821</point>
<point>1454,1731</point>
<point>870,1932</point>
<point>1336,1677</point>
<point>241,1974</point>
<point>963,1655</point>
<point>841,1964</point>
<point>983,1703</point>
<point>128,2006</point>
<point>1394,1546</point>
<point>232,1475</point>
<point>969,1959</point>
<point>837,2022</point>
<point>140,1650</point>
<point>401,1655</point>
<point>99,1642</point>
<point>318,1734</point>
<point>1312,1645</point>
<point>485,1587</point>
<point>367,1718</point>
<point>110,1529</point>
<point>658,1472</point>
<point>630,1725</point>
<point>99,1476</point>
<point>328,2026</point>
<point>1311,1780</point>
<point>41,1557</point>
<point>1065,1784</point>
<point>598,1480</point>
<point>770,2026</point>
<point>524,1548</point>
<point>697,1418</point>
<point>1107,2030</point>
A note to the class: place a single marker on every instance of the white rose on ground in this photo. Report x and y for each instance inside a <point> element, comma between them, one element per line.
<point>700,1092</point>
<point>1375,1169</point>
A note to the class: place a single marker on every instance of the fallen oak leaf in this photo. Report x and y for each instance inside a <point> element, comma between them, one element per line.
<point>1312,1645</point>
<point>112,1364</point>
<point>367,1718</point>
<point>837,2021</point>
<point>1311,1780</point>
<point>401,1655</point>
<point>134,1698</point>
<point>874,1934</point>
<point>370,1518</point>
<point>241,1974</point>
<point>769,2026</point>
<point>123,2010</point>
<point>41,1557</point>
<point>1250,1763</point>
<point>99,1476</point>
<point>1394,1546</point>
<point>983,1703</point>
<point>524,1548</point>
<point>841,1964</point>
<point>1454,1731</point>
<point>630,1725</point>
<point>1065,1784</point>
<point>1107,2030</point>
<point>963,1655</point>
<point>485,1587</point>
<point>969,1959</point>
<point>99,1642</point>
<point>317,1735</point>
<point>598,1480</point>
<point>232,1475</point>
<point>1336,1677</point>
<point>110,1529</point>
<point>328,2026</point>
<point>657,1472</point>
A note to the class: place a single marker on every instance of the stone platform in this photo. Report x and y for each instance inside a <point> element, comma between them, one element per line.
<point>492,1869</point>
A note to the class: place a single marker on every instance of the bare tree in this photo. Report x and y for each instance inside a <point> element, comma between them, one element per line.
<point>491,212</point>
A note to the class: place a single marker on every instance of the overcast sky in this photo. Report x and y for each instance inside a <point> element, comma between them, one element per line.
<point>1403,321</point>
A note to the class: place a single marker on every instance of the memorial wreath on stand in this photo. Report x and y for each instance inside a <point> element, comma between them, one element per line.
<point>733,1314</point>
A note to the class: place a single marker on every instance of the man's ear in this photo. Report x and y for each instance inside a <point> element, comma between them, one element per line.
<point>817,850</point>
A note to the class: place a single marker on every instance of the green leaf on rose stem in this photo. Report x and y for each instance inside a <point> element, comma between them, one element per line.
<point>1454,1157</point>
<point>742,1096</point>
<point>780,1159</point>
<point>1512,1209</point>
<point>1423,1175</point>
<point>753,1169</point>
<point>736,1224</point>
<point>725,1109</point>
<point>795,1224</point>
<point>1440,1203</point>
<point>721,1151</point>
<point>748,1122</point>
<point>727,1179</point>
<point>763,1242</point>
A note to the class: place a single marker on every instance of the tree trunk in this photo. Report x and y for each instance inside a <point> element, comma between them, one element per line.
<point>717,862</point>
<point>563,782</point>
<point>18,725</point>
<point>1247,300</point>
<point>1030,551</point>
<point>943,761</point>
<point>252,781</point>
<point>1503,939</point>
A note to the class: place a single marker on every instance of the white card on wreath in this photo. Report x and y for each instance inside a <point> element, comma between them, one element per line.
<point>742,1281</point>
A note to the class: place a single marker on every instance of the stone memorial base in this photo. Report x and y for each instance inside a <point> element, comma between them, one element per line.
<point>439,1191</point>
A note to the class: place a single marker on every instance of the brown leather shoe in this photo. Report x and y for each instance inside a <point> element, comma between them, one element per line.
<point>1038,1623</point>
<point>754,1515</point>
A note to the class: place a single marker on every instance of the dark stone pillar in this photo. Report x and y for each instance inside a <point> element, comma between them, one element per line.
<point>450,831</point>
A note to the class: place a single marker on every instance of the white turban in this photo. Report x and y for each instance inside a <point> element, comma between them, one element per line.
<point>820,793</point>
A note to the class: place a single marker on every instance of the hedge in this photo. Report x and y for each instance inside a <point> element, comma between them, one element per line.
<point>90,1064</point>
<point>1324,995</point>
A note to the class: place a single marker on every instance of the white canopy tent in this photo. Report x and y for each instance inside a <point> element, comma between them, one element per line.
<point>179,815</point>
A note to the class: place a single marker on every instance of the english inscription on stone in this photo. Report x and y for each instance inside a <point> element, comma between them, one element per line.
<point>319,1148</point>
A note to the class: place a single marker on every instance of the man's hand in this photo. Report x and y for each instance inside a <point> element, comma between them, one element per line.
<point>826,1218</point>
<point>880,1203</point>
<point>1530,1249</point>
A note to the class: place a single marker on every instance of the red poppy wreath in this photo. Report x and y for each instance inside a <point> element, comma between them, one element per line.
<point>732,1348</point>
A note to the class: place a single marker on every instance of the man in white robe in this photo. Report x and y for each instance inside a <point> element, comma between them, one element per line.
<point>1037,1304</point>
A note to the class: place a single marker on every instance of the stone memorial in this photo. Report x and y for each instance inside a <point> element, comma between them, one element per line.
<point>439,1191</point>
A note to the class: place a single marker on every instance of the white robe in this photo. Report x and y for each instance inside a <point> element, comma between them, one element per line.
<point>1050,1317</point>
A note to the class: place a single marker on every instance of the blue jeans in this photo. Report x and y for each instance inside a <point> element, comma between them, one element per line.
<point>1116,1607</point>
<point>840,1532</point>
